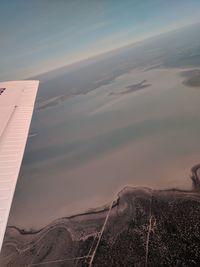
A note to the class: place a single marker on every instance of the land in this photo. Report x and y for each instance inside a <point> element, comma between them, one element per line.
<point>132,88</point>
<point>192,78</point>
<point>140,227</point>
<point>54,101</point>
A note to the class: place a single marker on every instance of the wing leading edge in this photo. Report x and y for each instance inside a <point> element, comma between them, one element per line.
<point>17,100</point>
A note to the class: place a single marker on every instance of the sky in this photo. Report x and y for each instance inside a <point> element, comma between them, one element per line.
<point>42,35</point>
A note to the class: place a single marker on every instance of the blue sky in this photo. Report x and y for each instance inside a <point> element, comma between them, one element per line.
<point>41,35</point>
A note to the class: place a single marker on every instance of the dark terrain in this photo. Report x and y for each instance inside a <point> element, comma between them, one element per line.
<point>132,88</point>
<point>141,227</point>
<point>192,77</point>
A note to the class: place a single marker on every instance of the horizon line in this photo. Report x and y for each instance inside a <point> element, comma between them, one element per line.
<point>112,50</point>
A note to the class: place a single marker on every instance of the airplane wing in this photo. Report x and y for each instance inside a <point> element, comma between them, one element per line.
<point>17,100</point>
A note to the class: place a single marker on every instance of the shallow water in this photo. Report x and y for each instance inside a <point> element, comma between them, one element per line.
<point>90,146</point>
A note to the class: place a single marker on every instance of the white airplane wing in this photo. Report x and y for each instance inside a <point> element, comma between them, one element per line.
<point>17,100</point>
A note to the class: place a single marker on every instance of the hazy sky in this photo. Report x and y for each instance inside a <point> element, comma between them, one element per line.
<point>39,35</point>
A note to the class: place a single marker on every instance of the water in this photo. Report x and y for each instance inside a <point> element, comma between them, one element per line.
<point>90,146</point>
